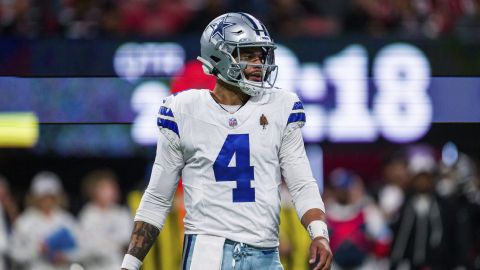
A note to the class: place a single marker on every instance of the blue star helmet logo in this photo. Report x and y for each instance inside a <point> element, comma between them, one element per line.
<point>219,28</point>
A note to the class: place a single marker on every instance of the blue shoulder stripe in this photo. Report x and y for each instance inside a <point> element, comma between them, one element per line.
<point>296,117</point>
<point>168,124</point>
<point>297,105</point>
<point>165,111</point>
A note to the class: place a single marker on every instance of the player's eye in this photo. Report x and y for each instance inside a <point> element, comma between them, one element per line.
<point>251,56</point>
<point>246,57</point>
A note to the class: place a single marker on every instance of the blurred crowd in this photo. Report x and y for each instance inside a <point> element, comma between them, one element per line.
<point>423,213</point>
<point>83,19</point>
<point>45,236</point>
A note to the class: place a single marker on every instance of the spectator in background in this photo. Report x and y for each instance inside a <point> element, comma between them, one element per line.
<point>286,16</point>
<point>473,195</point>
<point>426,232</point>
<point>3,223</point>
<point>202,11</point>
<point>396,179</point>
<point>80,19</point>
<point>163,18</point>
<point>8,204</point>
<point>20,18</point>
<point>8,215</point>
<point>457,173</point>
<point>45,237</point>
<point>156,18</point>
<point>107,223</point>
<point>307,17</point>
<point>466,26</point>
<point>109,24</point>
<point>457,183</point>
<point>375,17</point>
<point>360,238</point>
<point>324,17</point>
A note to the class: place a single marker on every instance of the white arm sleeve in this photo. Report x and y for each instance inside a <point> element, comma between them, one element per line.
<point>297,173</point>
<point>157,199</point>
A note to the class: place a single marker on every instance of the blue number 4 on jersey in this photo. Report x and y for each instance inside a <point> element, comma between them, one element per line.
<point>242,173</point>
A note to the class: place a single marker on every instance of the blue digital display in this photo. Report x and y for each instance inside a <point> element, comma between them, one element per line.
<point>356,93</point>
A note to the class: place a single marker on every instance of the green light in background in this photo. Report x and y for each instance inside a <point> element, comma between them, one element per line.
<point>18,129</point>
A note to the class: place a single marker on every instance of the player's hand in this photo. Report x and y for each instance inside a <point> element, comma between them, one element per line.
<point>320,254</point>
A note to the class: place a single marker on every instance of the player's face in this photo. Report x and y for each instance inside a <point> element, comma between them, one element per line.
<point>253,56</point>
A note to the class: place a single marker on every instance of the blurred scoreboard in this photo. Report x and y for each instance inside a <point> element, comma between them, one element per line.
<point>354,91</point>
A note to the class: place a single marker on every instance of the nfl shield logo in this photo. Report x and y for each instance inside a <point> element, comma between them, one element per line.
<point>232,122</point>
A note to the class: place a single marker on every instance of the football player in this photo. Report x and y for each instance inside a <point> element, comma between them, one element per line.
<point>232,146</point>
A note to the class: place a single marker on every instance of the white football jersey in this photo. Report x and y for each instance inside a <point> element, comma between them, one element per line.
<point>231,162</point>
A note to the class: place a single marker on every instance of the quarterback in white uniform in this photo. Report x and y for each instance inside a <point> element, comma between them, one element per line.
<point>232,147</point>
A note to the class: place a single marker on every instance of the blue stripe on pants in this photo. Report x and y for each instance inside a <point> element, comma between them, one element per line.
<point>186,253</point>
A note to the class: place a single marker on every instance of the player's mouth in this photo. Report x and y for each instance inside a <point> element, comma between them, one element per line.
<point>255,77</point>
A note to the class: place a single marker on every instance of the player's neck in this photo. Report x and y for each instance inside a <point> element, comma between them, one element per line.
<point>226,94</point>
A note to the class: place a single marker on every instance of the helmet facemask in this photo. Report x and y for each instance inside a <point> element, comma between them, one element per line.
<point>266,68</point>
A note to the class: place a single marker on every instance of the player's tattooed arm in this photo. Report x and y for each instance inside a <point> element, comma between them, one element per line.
<point>143,237</point>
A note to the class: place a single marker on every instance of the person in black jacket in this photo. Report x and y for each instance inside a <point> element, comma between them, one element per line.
<point>431,230</point>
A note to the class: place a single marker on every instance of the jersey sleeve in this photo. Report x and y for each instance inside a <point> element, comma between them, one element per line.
<point>157,199</point>
<point>297,174</point>
<point>166,121</point>
<point>296,114</point>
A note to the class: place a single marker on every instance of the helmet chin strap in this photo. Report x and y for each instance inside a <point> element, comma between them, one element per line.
<point>245,88</point>
<point>250,89</point>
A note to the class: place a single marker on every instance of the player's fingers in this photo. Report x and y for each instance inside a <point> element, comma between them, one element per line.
<point>323,259</point>
<point>328,263</point>
<point>313,254</point>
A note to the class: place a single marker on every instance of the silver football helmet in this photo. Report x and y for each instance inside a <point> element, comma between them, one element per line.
<point>221,44</point>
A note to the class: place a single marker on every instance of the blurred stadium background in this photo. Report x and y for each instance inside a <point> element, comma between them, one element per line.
<point>390,87</point>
